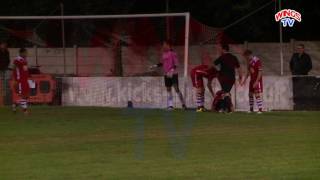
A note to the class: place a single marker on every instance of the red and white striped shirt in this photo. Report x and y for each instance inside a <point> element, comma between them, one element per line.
<point>20,72</point>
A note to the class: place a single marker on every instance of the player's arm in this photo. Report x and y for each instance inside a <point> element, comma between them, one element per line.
<point>240,73</point>
<point>160,64</point>
<point>258,78</point>
<point>175,61</point>
<point>15,64</point>
<point>259,69</point>
<point>209,85</point>
<point>25,67</point>
<point>245,78</point>
<point>238,69</point>
<point>217,61</point>
<point>309,63</point>
<point>156,66</point>
<point>291,63</point>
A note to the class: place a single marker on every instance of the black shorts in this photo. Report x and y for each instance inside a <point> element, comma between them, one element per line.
<point>226,83</point>
<point>170,81</point>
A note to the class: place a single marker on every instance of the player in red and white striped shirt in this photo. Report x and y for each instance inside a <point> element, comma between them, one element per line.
<point>21,76</point>
<point>198,74</point>
<point>255,86</point>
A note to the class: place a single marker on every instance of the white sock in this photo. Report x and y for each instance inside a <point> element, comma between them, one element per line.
<point>23,103</point>
<point>181,98</point>
<point>170,99</point>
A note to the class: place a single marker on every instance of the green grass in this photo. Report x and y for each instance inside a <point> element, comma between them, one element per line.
<point>103,143</point>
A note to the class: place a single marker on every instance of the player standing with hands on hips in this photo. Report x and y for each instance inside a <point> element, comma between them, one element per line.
<point>255,85</point>
<point>169,63</point>
<point>21,76</point>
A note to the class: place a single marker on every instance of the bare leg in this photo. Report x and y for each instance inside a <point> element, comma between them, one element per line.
<point>200,97</point>
<point>180,95</point>
<point>251,101</point>
<point>259,101</point>
<point>170,97</point>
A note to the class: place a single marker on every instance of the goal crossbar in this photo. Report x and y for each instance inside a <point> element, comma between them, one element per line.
<point>93,16</point>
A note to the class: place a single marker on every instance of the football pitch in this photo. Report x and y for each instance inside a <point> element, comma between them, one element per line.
<point>104,143</point>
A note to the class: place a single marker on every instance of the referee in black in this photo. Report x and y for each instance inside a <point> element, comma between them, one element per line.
<point>228,64</point>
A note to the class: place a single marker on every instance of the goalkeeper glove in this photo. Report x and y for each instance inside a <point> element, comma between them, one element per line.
<point>170,73</point>
<point>153,66</point>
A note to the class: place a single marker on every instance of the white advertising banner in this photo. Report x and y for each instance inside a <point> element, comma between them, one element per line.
<point>150,92</point>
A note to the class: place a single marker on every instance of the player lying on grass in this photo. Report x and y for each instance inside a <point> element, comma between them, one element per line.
<point>169,63</point>
<point>255,86</point>
<point>198,74</point>
<point>218,103</point>
<point>20,77</point>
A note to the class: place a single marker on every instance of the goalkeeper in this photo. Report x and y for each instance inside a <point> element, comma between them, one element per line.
<point>169,63</point>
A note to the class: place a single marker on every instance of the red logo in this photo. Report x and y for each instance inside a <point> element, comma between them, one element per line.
<point>287,17</point>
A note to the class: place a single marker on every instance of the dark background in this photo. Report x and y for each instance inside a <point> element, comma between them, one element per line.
<point>215,13</point>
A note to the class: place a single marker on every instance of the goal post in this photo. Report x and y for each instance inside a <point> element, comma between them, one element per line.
<point>185,15</point>
<point>186,42</point>
<point>89,48</point>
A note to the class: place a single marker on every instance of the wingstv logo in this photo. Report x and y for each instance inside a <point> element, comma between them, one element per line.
<point>288,17</point>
